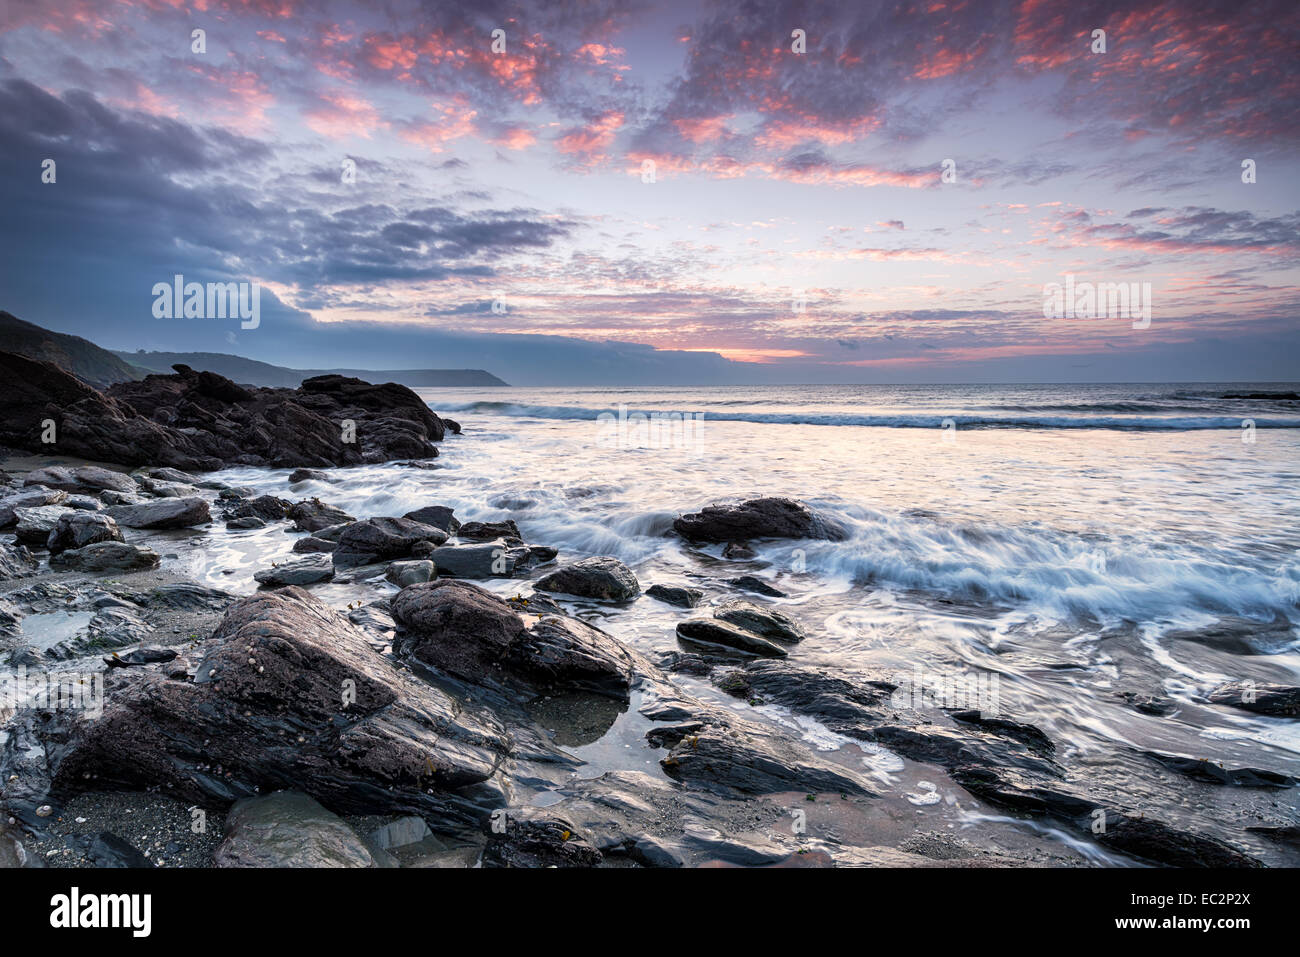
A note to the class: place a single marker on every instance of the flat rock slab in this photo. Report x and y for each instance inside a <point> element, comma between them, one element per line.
<point>169,513</point>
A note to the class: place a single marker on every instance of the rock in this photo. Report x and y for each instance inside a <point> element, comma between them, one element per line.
<point>677,595</point>
<point>313,544</point>
<point>106,849</point>
<point>87,478</point>
<point>306,571</point>
<point>141,656</point>
<point>308,475</point>
<point>312,515</point>
<point>402,574</point>
<point>170,475</point>
<point>28,498</point>
<point>538,837</point>
<point>268,508</point>
<point>247,522</point>
<point>106,556</point>
<point>161,489</point>
<point>170,513</point>
<point>1200,769</point>
<point>475,561</point>
<point>468,632</point>
<point>749,759</point>
<point>16,562</point>
<point>187,596</point>
<point>766,622</point>
<point>202,421</point>
<point>1278,701</point>
<point>439,516</point>
<point>489,531</point>
<point>757,585</point>
<point>393,744</point>
<point>738,551</point>
<point>78,529</point>
<point>713,632</point>
<point>86,503</point>
<point>288,830</point>
<point>35,524</point>
<point>603,577</point>
<point>756,519</point>
<point>377,539</point>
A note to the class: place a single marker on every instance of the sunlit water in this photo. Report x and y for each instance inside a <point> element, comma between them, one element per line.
<point>1059,537</point>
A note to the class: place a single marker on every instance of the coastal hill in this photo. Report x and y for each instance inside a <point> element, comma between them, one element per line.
<point>252,372</point>
<point>81,357</point>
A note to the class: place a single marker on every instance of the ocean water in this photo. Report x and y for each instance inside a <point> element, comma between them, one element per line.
<point>1079,542</point>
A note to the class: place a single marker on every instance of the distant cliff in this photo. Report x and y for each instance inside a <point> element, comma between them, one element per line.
<point>252,372</point>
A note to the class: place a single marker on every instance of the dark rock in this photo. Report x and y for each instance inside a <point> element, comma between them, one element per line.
<point>538,837</point>
<point>86,479</point>
<point>439,516</point>
<point>288,829</point>
<point>106,556</point>
<point>766,622</point>
<point>602,577</point>
<point>738,551</point>
<point>141,656</point>
<point>306,571</point>
<point>79,529</point>
<point>468,632</point>
<point>756,519</point>
<point>312,515</point>
<point>402,574</point>
<point>247,522</point>
<point>108,850</point>
<point>16,562</point>
<point>313,544</point>
<point>488,560</point>
<point>35,524</point>
<point>489,531</point>
<point>308,475</point>
<point>712,632</point>
<point>377,539</point>
<point>1200,769</point>
<point>1278,701</point>
<point>28,498</point>
<point>680,596</point>
<point>268,508</point>
<point>757,585</point>
<point>169,513</point>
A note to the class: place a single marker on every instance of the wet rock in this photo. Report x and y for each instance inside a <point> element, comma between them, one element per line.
<point>86,503</point>
<point>738,551</point>
<point>1278,701</point>
<point>313,544</point>
<point>247,522</point>
<point>34,497</point>
<point>1201,769</point>
<point>316,709</point>
<point>187,596</point>
<point>106,849</point>
<point>78,529</point>
<point>106,556</point>
<point>379,539</point>
<point>757,585</point>
<point>468,632</point>
<point>400,833</point>
<point>541,554</point>
<point>766,622</point>
<point>170,475</point>
<point>677,595</point>
<point>16,562</point>
<point>87,479</point>
<point>141,656</point>
<point>402,574</point>
<point>288,830</point>
<point>306,571</point>
<point>439,516</point>
<point>489,531</point>
<point>35,524</point>
<point>308,475</point>
<point>756,519</point>
<point>312,515</point>
<point>1154,840</point>
<point>538,837</point>
<point>161,489</point>
<point>712,632</point>
<point>489,560</point>
<point>603,577</point>
<point>268,508</point>
<point>169,513</point>
<point>750,759</point>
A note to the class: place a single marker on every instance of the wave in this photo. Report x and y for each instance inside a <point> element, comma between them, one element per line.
<point>894,420</point>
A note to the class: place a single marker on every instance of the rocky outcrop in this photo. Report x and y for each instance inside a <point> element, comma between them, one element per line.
<point>201,421</point>
<point>756,519</point>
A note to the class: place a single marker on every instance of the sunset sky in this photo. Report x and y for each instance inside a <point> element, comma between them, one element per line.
<point>518,176</point>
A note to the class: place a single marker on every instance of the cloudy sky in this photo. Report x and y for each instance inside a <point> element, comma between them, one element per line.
<point>663,191</point>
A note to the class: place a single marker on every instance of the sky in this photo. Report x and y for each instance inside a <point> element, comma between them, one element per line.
<point>738,191</point>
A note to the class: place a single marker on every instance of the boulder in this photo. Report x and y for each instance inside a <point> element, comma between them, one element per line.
<point>402,574</point>
<point>306,571</point>
<point>713,632</point>
<point>86,479</point>
<point>602,577</point>
<point>439,516</point>
<point>78,529</point>
<point>766,622</point>
<point>378,539</point>
<point>312,515</point>
<point>169,513</point>
<point>106,556</point>
<point>288,829</point>
<point>35,524</point>
<point>489,531</point>
<point>34,497</point>
<point>490,560</point>
<point>756,519</point>
<point>308,475</point>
